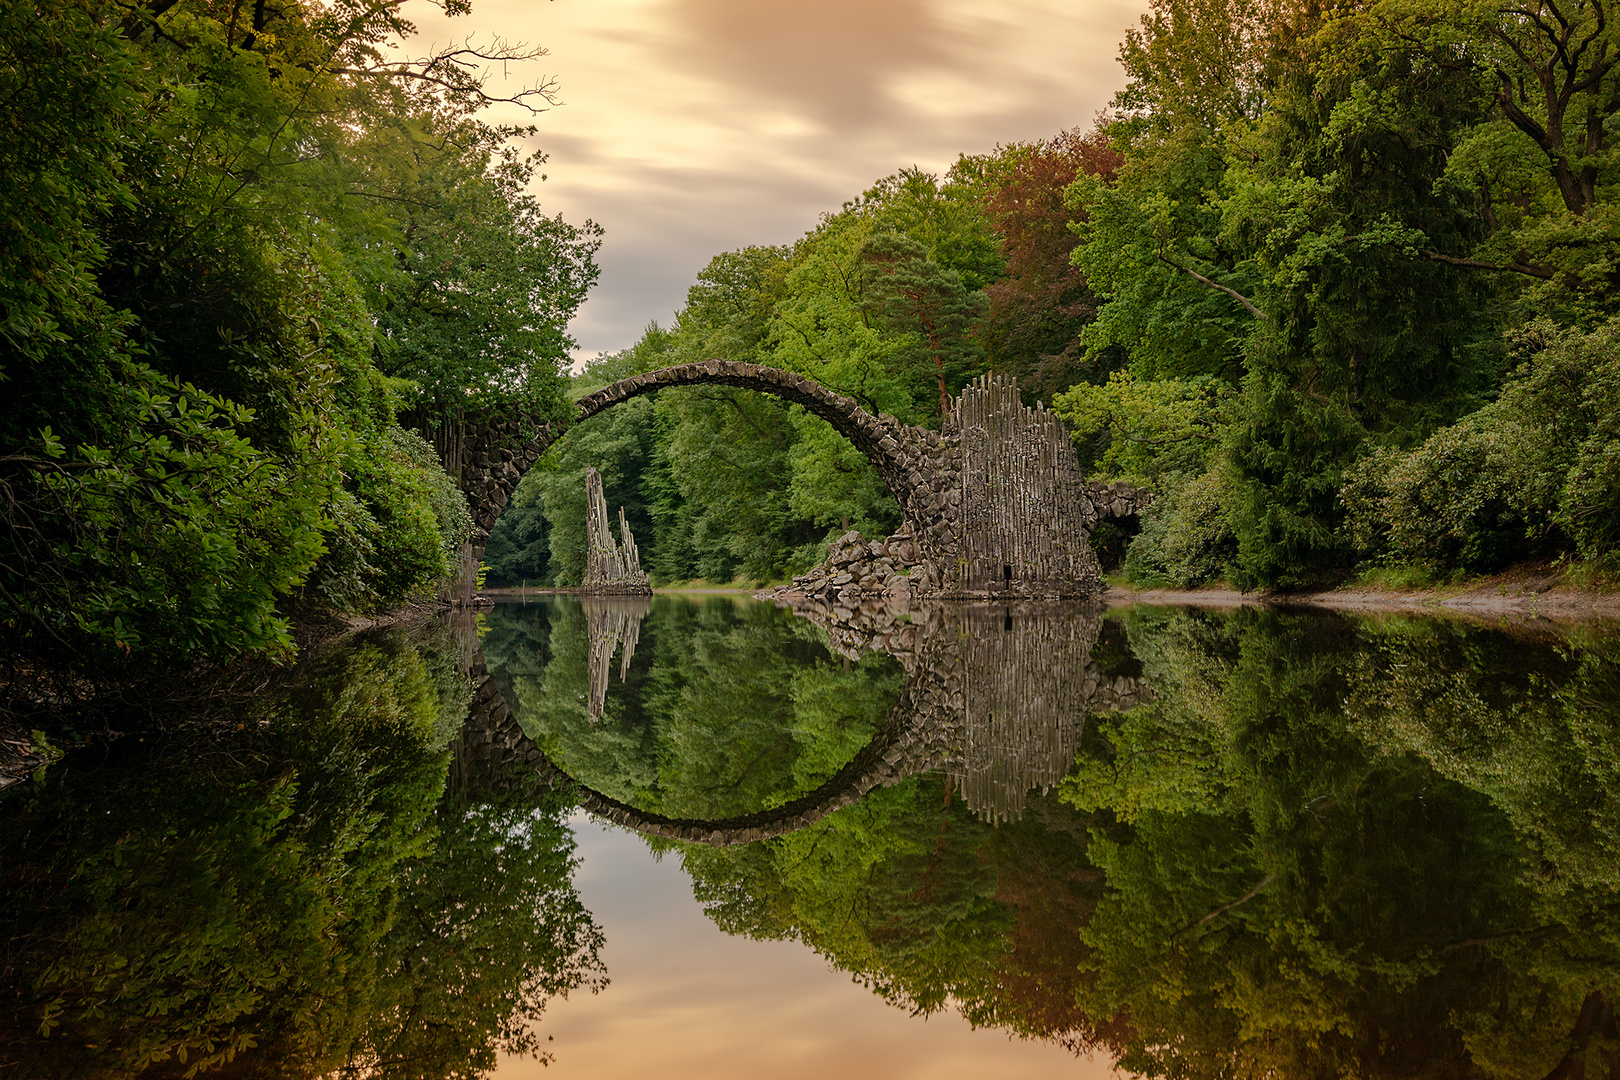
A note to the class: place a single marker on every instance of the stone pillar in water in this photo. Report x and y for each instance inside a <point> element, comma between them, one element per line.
<point>609,567</point>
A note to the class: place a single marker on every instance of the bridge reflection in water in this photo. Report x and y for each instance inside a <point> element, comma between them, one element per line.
<point>995,695</point>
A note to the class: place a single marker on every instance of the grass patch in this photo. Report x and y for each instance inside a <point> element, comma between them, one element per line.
<point>1397,577</point>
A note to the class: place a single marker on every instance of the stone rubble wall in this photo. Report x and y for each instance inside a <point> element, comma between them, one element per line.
<point>1117,500</point>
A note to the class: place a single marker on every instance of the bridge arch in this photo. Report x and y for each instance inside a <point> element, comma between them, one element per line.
<point>489,457</point>
<point>994,504</point>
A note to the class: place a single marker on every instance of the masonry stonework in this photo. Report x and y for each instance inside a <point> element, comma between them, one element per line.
<point>992,505</point>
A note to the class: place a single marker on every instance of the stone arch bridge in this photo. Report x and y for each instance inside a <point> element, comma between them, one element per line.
<point>995,695</point>
<point>994,503</point>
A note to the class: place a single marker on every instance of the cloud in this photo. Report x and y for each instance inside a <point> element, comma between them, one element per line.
<point>832,60</point>
<point>692,127</point>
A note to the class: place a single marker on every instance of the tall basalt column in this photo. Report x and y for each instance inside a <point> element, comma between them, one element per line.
<point>609,567</point>
<point>1024,510</point>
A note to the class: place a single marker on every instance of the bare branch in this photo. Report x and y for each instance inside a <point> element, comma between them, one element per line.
<point>1224,908</point>
<point>1248,304</point>
<point>1542,272</point>
<point>456,70</point>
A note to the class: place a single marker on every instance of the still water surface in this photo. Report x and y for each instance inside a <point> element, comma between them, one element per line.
<point>716,838</point>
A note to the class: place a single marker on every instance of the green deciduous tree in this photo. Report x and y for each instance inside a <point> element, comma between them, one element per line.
<point>253,239</point>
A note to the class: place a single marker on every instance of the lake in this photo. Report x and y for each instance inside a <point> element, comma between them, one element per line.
<point>709,836</point>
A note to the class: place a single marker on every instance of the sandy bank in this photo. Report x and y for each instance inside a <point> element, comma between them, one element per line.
<point>1513,595</point>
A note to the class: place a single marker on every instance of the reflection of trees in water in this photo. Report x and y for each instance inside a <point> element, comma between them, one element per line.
<point>287,899</point>
<point>723,709</point>
<point>1358,847</point>
<point>926,903</point>
<point>1326,847</point>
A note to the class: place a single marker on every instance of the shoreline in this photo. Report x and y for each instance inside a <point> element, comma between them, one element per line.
<point>1523,600</point>
<point>1521,596</point>
<point>507,591</point>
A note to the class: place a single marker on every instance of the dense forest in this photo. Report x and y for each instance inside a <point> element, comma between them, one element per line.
<point>237,244</point>
<point>1337,282</point>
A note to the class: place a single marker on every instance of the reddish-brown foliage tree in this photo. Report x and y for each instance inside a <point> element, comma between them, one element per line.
<point>1036,311</point>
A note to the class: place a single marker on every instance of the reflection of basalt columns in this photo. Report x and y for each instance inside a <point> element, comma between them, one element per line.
<point>610,623</point>
<point>1025,693</point>
<point>1006,688</point>
<point>609,567</point>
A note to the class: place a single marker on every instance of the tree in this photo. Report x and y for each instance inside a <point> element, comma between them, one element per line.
<point>1034,313</point>
<point>911,294</point>
<point>214,274</point>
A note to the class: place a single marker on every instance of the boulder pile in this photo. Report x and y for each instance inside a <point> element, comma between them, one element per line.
<point>858,570</point>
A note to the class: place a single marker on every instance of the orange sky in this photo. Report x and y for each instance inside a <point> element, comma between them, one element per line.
<point>691,127</point>
<point>687,1002</point>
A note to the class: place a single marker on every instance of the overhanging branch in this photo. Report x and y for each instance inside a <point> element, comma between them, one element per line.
<point>1542,272</point>
<point>1248,305</point>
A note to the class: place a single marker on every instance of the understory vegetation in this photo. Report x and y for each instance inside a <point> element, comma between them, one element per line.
<point>238,245</point>
<point>1338,283</point>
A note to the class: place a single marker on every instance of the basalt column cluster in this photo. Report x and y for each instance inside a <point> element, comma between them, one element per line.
<point>609,567</point>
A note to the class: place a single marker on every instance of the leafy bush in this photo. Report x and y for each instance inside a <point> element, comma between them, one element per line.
<point>1186,539</point>
<point>1464,500</point>
<point>171,533</point>
<point>1538,469</point>
<point>399,527</point>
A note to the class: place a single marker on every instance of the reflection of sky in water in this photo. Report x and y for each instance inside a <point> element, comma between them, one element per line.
<point>686,1000</point>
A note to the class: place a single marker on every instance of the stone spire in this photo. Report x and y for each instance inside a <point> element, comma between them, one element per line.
<point>609,567</point>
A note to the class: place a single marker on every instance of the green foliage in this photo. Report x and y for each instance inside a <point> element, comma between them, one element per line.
<point>177,539</point>
<point>1186,537</point>
<point>1533,467</point>
<point>1165,435</point>
<point>475,310</point>
<point>1351,218</point>
<point>250,239</point>
<point>725,710</point>
<point>292,898</point>
<point>916,297</point>
<point>519,549</point>
<point>1153,431</point>
<point>400,530</point>
<point>1347,846</point>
